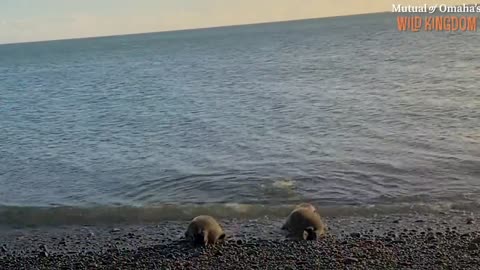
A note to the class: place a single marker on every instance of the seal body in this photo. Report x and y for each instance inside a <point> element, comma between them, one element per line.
<point>305,223</point>
<point>204,230</point>
<point>307,205</point>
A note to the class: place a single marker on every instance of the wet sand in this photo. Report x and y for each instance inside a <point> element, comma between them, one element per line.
<point>445,241</point>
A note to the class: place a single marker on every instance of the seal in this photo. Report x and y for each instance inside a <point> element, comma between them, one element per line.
<point>204,230</point>
<point>304,223</point>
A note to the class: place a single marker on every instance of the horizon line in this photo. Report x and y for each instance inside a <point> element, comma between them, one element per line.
<point>189,29</point>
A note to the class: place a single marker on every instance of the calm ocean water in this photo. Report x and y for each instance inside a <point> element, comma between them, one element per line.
<point>344,112</point>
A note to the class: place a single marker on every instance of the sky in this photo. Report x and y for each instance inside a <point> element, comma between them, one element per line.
<point>34,20</point>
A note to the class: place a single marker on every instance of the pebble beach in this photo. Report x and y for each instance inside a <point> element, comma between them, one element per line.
<point>440,241</point>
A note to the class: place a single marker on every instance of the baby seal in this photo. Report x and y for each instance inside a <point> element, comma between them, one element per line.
<point>304,222</point>
<point>204,230</point>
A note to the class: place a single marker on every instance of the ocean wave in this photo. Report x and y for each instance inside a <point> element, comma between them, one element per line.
<point>96,215</point>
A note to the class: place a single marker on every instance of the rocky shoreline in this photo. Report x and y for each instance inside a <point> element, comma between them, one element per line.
<point>445,241</point>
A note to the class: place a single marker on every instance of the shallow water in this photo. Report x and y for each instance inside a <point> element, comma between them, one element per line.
<point>339,111</point>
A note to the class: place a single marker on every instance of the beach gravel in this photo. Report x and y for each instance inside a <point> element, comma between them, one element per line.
<point>406,245</point>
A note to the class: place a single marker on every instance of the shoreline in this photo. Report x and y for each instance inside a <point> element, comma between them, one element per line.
<point>382,242</point>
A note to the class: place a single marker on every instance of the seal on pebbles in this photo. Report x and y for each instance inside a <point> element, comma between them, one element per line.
<point>204,230</point>
<point>304,223</point>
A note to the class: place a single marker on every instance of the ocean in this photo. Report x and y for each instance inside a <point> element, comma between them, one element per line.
<point>243,121</point>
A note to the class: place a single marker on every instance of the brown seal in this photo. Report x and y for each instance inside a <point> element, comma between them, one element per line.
<point>304,222</point>
<point>204,230</point>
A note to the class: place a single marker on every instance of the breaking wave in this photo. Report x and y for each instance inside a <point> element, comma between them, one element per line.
<point>96,215</point>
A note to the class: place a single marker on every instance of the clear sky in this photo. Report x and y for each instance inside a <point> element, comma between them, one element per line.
<point>32,20</point>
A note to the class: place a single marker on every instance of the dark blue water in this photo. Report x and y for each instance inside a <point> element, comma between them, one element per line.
<point>338,111</point>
